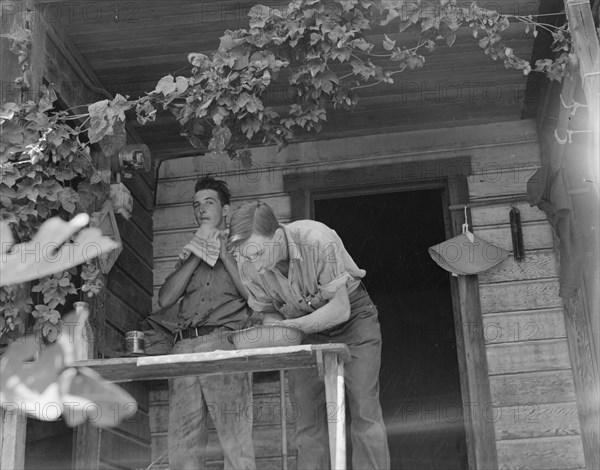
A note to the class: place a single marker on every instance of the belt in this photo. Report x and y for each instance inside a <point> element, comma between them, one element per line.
<point>194,332</point>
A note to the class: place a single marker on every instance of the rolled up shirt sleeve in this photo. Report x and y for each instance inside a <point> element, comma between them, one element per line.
<point>331,270</point>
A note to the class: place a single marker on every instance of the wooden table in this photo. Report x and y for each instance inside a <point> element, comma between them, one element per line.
<point>327,358</point>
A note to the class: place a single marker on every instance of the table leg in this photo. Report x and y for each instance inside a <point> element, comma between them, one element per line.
<point>336,409</point>
<point>284,455</point>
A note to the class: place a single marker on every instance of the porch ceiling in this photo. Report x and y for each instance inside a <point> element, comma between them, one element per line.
<point>131,47</point>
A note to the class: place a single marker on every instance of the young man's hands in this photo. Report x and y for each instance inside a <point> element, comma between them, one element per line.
<point>206,244</point>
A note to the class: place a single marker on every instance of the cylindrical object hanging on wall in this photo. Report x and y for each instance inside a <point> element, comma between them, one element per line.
<point>516,231</point>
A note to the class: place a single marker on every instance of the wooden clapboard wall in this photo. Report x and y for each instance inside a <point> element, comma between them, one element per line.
<point>533,396</point>
<point>127,298</point>
<point>533,400</point>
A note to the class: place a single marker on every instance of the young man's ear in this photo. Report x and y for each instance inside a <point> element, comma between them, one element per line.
<point>279,236</point>
<point>226,211</point>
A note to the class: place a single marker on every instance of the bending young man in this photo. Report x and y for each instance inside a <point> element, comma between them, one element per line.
<point>213,303</point>
<point>301,275</point>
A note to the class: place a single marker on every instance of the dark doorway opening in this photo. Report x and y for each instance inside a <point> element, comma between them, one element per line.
<point>388,235</point>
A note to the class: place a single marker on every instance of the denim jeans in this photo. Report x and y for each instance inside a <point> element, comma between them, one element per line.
<point>362,335</point>
<point>228,401</point>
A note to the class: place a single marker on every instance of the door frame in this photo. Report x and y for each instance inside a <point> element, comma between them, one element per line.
<point>450,175</point>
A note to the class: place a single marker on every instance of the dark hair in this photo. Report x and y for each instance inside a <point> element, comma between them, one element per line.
<point>208,182</point>
<point>252,218</point>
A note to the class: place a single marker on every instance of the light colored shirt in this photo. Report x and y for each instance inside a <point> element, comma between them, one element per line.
<point>318,266</point>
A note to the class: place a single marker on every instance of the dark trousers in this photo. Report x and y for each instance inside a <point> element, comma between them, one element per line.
<point>362,335</point>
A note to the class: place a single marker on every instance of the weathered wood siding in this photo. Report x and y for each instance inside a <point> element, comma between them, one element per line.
<point>533,397</point>
<point>533,402</point>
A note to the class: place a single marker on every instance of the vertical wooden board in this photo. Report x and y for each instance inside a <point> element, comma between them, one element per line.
<point>536,236</point>
<point>510,358</point>
<point>514,296</point>
<point>499,214</point>
<point>530,420</point>
<point>540,387</point>
<point>546,453</point>
<point>523,326</point>
<point>538,264</point>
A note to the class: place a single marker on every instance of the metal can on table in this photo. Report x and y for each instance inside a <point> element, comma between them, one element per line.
<point>134,342</point>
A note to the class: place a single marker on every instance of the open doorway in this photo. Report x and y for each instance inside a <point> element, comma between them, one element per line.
<point>388,235</point>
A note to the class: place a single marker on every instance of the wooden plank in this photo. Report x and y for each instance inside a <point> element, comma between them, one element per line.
<point>533,387</point>
<point>585,374</point>
<point>140,242</point>
<point>169,244</point>
<point>137,425</point>
<point>401,146</point>
<point>499,214</point>
<point>139,391</point>
<point>142,218</point>
<point>510,358</point>
<point>523,326</point>
<point>538,264</point>
<point>334,394</point>
<point>120,315</point>
<point>519,156</point>
<point>13,429</point>
<point>121,284</point>
<point>523,295</point>
<point>259,387</point>
<point>530,420</point>
<point>130,262</point>
<point>266,412</point>
<point>536,236</point>
<point>546,453</point>
<point>266,446</point>
<point>470,345</point>
<point>585,41</point>
<point>500,183</point>
<point>264,463</point>
<point>215,362</point>
<point>121,450</point>
<point>181,216</point>
<point>245,183</point>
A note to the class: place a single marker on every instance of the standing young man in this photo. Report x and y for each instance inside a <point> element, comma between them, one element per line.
<point>213,303</point>
<point>301,275</point>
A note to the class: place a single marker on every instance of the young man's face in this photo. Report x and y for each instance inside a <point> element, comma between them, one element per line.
<point>208,209</point>
<point>264,252</point>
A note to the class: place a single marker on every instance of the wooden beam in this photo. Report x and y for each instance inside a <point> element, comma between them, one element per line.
<point>585,40</point>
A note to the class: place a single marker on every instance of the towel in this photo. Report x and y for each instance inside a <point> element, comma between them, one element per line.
<point>207,251</point>
<point>548,191</point>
